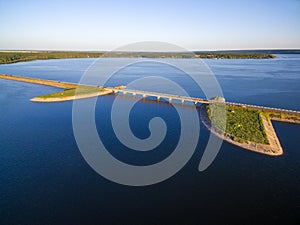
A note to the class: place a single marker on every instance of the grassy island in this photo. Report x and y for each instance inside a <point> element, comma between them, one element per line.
<point>242,124</point>
<point>247,128</point>
<point>82,91</point>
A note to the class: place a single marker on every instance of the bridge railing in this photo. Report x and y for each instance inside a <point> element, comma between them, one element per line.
<point>196,100</point>
<point>157,94</point>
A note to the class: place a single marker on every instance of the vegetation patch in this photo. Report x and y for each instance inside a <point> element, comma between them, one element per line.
<point>7,57</point>
<point>69,92</point>
<point>240,124</point>
<point>293,117</point>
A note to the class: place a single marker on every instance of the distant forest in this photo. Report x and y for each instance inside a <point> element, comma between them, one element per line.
<point>7,57</point>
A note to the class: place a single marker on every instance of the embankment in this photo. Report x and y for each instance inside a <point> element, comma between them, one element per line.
<point>52,83</point>
<point>70,98</point>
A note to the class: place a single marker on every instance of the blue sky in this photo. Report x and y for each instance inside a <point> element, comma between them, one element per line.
<point>106,25</point>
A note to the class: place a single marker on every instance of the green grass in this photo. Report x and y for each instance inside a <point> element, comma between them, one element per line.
<point>241,124</point>
<point>81,90</point>
<point>283,115</point>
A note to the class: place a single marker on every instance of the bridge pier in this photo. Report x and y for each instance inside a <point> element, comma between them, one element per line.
<point>158,96</point>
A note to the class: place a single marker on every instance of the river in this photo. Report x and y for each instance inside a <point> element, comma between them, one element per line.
<point>45,180</point>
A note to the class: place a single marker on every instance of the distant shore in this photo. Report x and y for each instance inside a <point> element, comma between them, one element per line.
<point>7,57</point>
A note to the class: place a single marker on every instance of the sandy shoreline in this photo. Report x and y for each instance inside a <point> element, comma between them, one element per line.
<point>52,83</point>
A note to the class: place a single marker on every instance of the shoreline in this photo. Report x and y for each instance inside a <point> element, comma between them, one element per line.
<point>15,56</point>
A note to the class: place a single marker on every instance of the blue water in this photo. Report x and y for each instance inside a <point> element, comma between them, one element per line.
<point>45,180</point>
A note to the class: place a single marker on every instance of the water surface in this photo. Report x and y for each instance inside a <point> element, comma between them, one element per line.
<point>45,180</point>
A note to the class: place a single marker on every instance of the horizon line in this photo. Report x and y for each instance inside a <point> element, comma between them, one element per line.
<point>146,51</point>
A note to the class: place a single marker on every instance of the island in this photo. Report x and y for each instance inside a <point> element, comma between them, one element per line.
<point>247,127</point>
<point>244,125</point>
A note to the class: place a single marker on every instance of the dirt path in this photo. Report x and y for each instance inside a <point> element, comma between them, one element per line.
<point>51,83</point>
<point>274,146</point>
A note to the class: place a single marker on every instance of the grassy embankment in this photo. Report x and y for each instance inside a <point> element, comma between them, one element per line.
<point>242,125</point>
<point>71,90</point>
<point>81,90</point>
<point>283,116</point>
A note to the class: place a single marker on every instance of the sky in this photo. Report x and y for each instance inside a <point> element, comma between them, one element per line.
<point>107,25</point>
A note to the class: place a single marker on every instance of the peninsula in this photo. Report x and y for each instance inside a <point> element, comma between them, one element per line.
<point>247,126</point>
<point>71,91</point>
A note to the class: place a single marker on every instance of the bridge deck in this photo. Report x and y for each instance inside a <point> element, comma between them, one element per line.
<point>159,95</point>
<point>196,100</point>
<point>170,97</point>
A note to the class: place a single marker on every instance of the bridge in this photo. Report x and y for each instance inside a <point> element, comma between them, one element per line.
<point>195,100</point>
<point>145,94</point>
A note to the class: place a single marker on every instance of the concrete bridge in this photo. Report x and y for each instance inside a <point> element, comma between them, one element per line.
<point>169,97</point>
<point>145,94</point>
<point>183,99</point>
